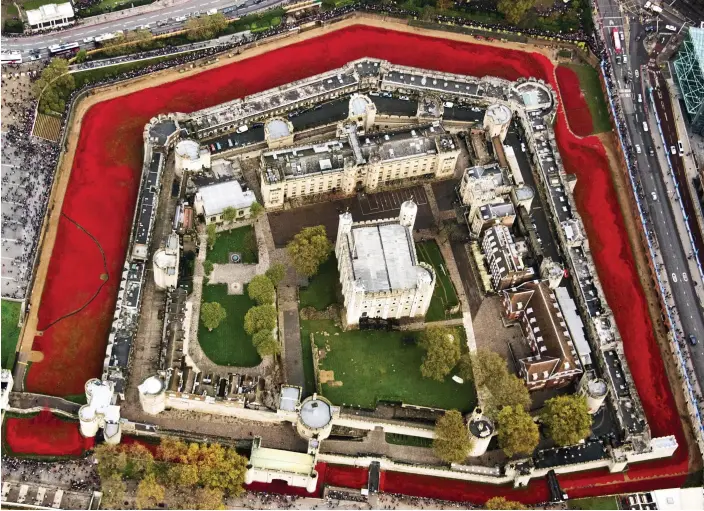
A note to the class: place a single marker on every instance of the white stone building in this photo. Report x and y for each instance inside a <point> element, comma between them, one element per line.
<point>50,16</point>
<point>166,263</point>
<point>100,411</point>
<point>379,271</point>
<point>212,200</point>
<point>190,156</point>
<point>353,160</point>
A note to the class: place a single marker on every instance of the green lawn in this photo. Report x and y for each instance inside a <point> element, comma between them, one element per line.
<point>376,366</point>
<point>414,441</point>
<point>591,86</point>
<point>242,240</point>
<point>322,288</point>
<point>593,503</point>
<point>10,332</point>
<point>307,327</point>
<point>228,344</point>
<point>444,295</point>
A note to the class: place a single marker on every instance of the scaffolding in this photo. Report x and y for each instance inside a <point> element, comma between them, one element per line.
<point>689,70</point>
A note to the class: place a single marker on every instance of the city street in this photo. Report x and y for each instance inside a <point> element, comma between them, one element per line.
<point>178,8</point>
<point>658,190</point>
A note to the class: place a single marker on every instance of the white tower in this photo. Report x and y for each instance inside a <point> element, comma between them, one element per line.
<point>497,120</point>
<point>165,262</point>
<point>6,381</point>
<point>99,412</point>
<point>152,395</point>
<point>362,111</point>
<point>595,390</point>
<point>407,215</point>
<point>344,228</point>
<point>481,429</point>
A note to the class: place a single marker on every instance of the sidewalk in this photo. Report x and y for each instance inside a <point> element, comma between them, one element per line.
<point>677,212</point>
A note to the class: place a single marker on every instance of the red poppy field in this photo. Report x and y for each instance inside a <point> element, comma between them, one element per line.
<point>45,435</point>
<point>576,109</point>
<point>103,188</point>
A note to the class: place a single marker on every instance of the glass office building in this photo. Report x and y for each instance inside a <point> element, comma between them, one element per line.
<point>689,69</point>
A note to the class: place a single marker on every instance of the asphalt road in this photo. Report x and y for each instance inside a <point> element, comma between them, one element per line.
<point>674,249</point>
<point>79,31</point>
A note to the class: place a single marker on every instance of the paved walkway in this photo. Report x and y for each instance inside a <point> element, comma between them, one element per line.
<point>26,400</point>
<point>291,333</point>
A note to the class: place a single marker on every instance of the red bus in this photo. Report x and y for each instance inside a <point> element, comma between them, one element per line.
<point>617,41</point>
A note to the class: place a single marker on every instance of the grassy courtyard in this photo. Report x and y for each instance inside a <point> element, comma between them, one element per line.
<point>10,332</point>
<point>322,288</point>
<point>228,344</point>
<point>368,366</point>
<point>241,240</point>
<point>593,503</point>
<point>594,96</point>
<point>444,295</point>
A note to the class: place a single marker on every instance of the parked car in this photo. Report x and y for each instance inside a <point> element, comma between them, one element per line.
<point>89,40</point>
<point>242,128</point>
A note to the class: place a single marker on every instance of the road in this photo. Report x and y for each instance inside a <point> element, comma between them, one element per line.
<point>658,195</point>
<point>79,32</point>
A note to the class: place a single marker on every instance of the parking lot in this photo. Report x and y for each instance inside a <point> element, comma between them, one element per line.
<point>285,224</point>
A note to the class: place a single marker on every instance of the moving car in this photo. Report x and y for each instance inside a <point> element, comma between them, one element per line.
<point>645,126</point>
<point>212,11</point>
<point>673,150</point>
<point>180,19</point>
<point>692,340</point>
<point>651,151</point>
<point>89,40</point>
<point>638,150</point>
<point>654,196</point>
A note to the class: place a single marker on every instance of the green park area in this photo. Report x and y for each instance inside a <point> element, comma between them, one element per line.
<point>593,503</point>
<point>444,296</point>
<point>10,332</point>
<point>321,291</point>
<point>228,344</point>
<point>591,86</point>
<point>363,367</point>
<point>241,240</point>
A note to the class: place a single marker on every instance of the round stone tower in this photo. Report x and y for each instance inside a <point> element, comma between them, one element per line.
<point>595,391</point>
<point>315,418</point>
<point>152,395</point>
<point>481,429</point>
<point>407,216</point>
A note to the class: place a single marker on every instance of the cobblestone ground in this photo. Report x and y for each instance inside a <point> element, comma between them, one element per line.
<point>492,335</point>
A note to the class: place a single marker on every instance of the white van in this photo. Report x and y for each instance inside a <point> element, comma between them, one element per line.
<point>638,149</point>
<point>640,98</point>
<point>212,11</point>
<point>645,126</point>
<point>243,128</point>
<point>679,144</point>
<point>625,59</point>
<point>449,104</point>
<point>672,28</point>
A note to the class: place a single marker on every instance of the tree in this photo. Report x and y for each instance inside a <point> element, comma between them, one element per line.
<point>490,372</point>
<point>486,366</point>
<point>309,249</point>
<point>514,10</point>
<point>111,459</point>
<point>182,475</point>
<point>427,13</point>
<point>507,391</point>
<point>206,27</point>
<point>255,210</point>
<point>229,214</point>
<point>261,290</point>
<point>262,317</point>
<point>265,343</point>
<point>442,352</point>
<point>149,493</point>
<point>444,5</point>
<point>518,434</point>
<point>567,419</point>
<point>140,460</point>
<point>207,267</point>
<point>212,234</point>
<point>81,56</point>
<point>212,314</point>
<point>54,86</point>
<point>113,488</point>
<point>464,366</point>
<point>276,273</point>
<point>451,442</point>
<point>499,503</point>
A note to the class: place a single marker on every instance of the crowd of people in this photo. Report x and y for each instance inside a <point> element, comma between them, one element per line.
<point>29,165</point>
<point>76,475</point>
